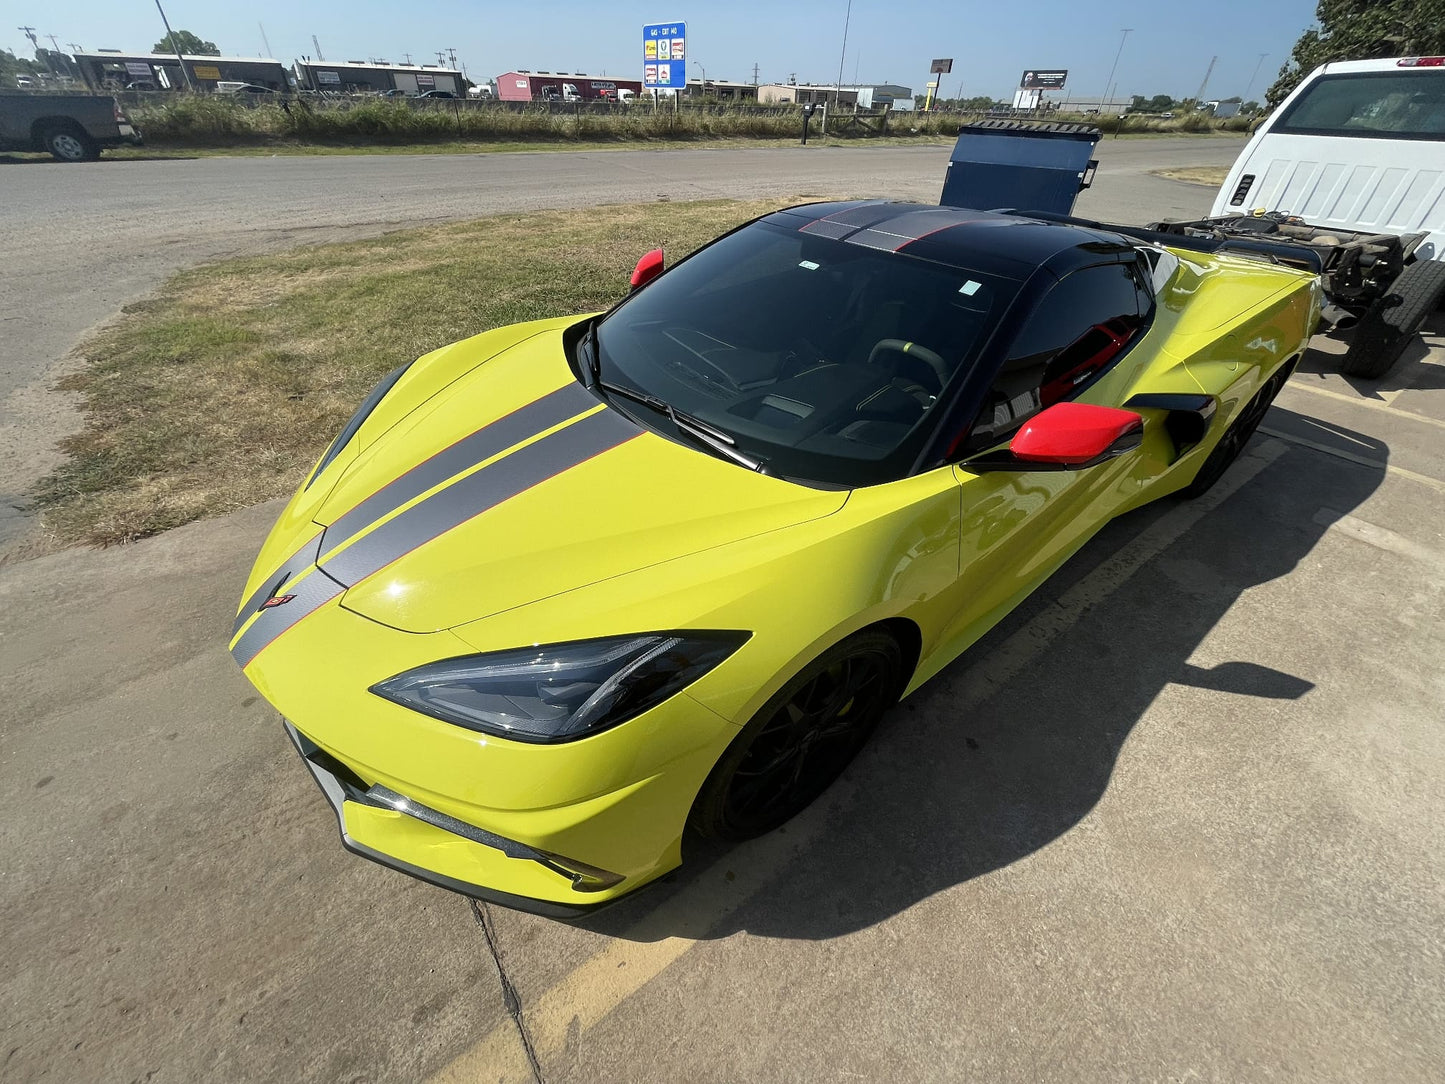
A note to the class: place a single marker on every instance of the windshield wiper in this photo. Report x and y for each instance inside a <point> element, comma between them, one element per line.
<point>713,439</point>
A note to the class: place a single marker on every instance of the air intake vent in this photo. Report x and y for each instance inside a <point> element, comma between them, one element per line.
<point>1245,183</point>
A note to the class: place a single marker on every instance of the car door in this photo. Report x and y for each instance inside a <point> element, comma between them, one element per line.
<point>1017,526</point>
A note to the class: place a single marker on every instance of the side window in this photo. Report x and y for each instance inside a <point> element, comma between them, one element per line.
<point>1077,331</point>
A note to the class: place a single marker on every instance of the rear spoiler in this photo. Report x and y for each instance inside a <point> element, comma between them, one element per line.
<point>1300,257</point>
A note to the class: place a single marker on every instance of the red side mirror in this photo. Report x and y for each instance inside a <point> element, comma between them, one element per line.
<point>647,269</point>
<point>1077,435</point>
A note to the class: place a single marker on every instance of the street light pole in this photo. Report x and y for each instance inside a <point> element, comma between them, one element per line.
<point>1109,82</point>
<point>177,46</point>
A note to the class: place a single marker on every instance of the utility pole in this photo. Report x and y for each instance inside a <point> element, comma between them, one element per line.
<point>171,37</point>
<point>316,43</point>
<point>54,44</point>
<point>408,59</point>
<point>1250,85</point>
<point>838,90</point>
<point>29,32</point>
<point>1199,94</point>
<point>74,48</point>
<point>452,55</point>
<point>1109,82</point>
<point>264,43</point>
<point>755,74</point>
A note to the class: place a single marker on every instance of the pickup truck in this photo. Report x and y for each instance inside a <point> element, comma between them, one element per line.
<point>72,127</point>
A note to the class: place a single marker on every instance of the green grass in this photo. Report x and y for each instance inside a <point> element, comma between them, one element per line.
<point>199,123</point>
<point>220,391</point>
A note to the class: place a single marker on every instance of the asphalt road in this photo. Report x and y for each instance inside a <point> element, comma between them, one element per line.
<point>1181,816</point>
<point>84,240</point>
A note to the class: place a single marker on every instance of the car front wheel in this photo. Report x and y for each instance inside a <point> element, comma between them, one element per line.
<point>801,739</point>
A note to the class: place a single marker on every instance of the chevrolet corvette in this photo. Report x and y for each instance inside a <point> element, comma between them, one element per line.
<point>562,593</point>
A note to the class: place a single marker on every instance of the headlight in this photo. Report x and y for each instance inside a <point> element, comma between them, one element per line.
<point>560,692</point>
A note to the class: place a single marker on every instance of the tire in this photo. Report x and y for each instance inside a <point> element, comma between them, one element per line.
<point>1236,436</point>
<point>1390,324</point>
<point>800,741</point>
<point>69,143</point>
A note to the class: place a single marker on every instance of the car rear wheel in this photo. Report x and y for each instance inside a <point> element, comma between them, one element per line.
<point>1236,436</point>
<point>1390,324</point>
<point>70,144</point>
<point>801,739</point>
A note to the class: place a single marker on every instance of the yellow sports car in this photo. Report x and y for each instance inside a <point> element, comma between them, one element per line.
<point>563,591</point>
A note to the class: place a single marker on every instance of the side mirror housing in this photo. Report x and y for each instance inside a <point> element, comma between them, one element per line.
<point>1066,436</point>
<point>647,269</point>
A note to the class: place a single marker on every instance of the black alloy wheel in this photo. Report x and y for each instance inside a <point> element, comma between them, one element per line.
<point>1236,436</point>
<point>801,740</point>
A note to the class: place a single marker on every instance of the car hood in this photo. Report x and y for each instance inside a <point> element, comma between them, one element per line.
<point>512,483</point>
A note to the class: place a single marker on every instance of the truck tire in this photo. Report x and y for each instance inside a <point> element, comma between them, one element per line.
<point>69,143</point>
<point>1390,324</point>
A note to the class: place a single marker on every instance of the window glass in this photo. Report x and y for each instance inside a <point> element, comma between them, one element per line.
<point>1378,105</point>
<point>1077,331</point>
<point>826,360</point>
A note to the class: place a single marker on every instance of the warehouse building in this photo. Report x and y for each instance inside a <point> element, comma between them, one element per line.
<point>358,77</point>
<point>110,69</point>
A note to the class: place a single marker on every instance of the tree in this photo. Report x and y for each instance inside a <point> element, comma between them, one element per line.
<point>183,41</point>
<point>1362,30</point>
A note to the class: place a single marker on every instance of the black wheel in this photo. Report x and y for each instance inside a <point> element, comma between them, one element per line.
<point>801,739</point>
<point>70,144</point>
<point>1390,324</point>
<point>1236,436</point>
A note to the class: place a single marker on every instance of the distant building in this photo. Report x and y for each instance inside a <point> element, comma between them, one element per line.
<point>356,77</point>
<point>110,69</point>
<point>525,85</point>
<point>849,96</point>
<point>721,88</point>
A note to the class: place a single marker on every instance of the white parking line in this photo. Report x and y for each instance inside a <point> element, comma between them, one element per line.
<point>585,996</point>
<point>1369,404</point>
<point>1364,461</point>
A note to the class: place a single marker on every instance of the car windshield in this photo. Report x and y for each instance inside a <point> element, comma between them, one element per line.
<point>1378,105</point>
<point>825,360</point>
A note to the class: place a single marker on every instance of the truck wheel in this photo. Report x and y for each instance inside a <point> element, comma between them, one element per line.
<point>1390,324</point>
<point>69,143</point>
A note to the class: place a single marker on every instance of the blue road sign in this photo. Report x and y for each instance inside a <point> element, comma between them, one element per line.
<point>664,56</point>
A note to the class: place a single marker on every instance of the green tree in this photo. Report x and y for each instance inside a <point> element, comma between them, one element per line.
<point>1362,30</point>
<point>183,41</point>
<point>12,65</point>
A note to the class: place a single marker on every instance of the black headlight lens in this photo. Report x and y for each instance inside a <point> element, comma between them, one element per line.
<point>560,692</point>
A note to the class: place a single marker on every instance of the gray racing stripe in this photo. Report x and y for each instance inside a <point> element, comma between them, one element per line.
<point>308,596</point>
<point>293,566</point>
<point>478,492</point>
<point>498,436</point>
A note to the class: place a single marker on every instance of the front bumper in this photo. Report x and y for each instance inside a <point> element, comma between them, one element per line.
<point>349,797</point>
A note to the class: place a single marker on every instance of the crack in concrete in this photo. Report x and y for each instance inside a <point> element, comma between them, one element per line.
<point>510,998</point>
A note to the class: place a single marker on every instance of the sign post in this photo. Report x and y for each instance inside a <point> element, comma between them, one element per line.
<point>664,57</point>
<point>943,66</point>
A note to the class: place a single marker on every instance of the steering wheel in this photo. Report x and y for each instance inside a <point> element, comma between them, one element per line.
<point>912,350</point>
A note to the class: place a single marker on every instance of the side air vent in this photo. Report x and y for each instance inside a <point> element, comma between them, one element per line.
<point>1245,184</point>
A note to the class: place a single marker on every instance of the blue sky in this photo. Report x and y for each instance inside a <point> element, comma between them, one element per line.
<point>991,43</point>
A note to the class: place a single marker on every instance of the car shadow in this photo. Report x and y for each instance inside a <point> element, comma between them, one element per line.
<point>971,773</point>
